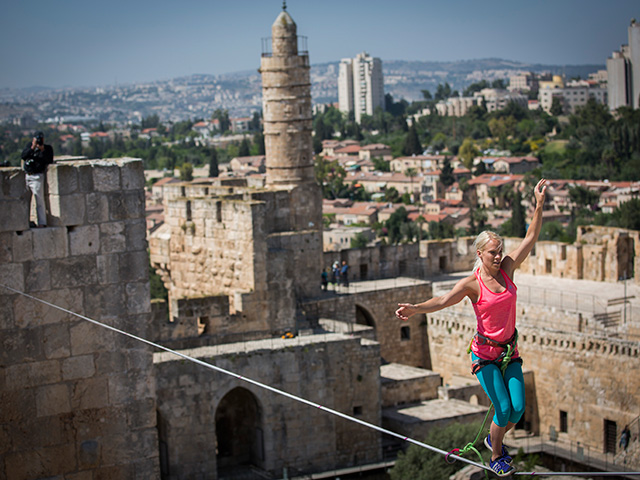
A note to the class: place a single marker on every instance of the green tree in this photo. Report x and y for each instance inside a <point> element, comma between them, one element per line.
<point>557,107</point>
<point>443,91</point>
<point>627,215</point>
<point>468,152</point>
<point>391,195</point>
<point>411,173</point>
<point>440,230</point>
<point>330,176</point>
<point>381,165</point>
<point>439,141</point>
<point>152,121</point>
<point>584,197</point>
<point>418,463</point>
<point>412,143</point>
<point>553,231</point>
<point>518,221</point>
<point>446,175</point>
<point>257,145</point>
<point>359,240</point>
<point>244,150</point>
<point>394,225</point>
<point>156,286</point>
<point>223,117</point>
<point>186,172</point>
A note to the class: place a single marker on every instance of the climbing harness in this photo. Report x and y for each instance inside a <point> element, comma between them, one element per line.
<point>503,360</point>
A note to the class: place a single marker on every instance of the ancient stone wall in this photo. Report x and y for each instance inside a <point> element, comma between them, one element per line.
<point>423,260</point>
<point>77,400</point>
<point>335,371</point>
<point>400,342</point>
<point>603,254</point>
<point>245,245</point>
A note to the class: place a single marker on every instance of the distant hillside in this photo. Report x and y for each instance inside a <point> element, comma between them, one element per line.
<point>198,95</point>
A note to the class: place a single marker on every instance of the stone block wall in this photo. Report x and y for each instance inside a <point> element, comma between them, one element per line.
<point>249,246</point>
<point>400,342</point>
<point>332,370</point>
<point>78,401</point>
<point>402,384</point>
<point>602,254</point>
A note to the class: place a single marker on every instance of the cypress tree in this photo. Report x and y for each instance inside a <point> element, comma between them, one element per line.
<point>412,143</point>
<point>518,225</point>
<point>213,163</point>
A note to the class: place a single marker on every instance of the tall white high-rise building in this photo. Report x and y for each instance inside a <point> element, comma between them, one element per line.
<point>623,72</point>
<point>360,85</point>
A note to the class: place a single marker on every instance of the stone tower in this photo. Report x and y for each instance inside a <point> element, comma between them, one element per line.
<point>286,90</point>
<point>254,250</point>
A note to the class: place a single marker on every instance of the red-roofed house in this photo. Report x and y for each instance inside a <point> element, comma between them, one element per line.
<point>357,212</point>
<point>515,165</point>
<point>248,165</point>
<point>375,150</point>
<point>489,185</point>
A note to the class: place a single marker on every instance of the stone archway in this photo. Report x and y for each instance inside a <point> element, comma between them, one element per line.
<point>239,439</point>
<point>364,317</point>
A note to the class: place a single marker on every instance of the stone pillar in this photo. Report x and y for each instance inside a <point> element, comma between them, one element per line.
<point>286,90</point>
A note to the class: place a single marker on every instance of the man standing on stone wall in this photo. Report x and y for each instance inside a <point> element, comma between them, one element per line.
<point>37,156</point>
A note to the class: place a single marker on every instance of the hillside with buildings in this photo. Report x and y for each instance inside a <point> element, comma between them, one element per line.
<point>197,96</point>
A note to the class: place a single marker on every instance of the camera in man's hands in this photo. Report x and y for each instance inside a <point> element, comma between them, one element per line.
<point>39,136</point>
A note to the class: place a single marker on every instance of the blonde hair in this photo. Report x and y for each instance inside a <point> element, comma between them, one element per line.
<point>481,242</point>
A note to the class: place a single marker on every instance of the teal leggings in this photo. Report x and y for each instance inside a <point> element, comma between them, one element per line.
<point>506,393</point>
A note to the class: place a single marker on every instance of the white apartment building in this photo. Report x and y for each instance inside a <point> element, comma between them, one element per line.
<point>572,96</point>
<point>360,85</point>
<point>457,106</point>
<point>493,99</point>
<point>623,71</point>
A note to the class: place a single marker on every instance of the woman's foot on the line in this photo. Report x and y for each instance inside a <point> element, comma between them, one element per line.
<point>504,453</point>
<point>501,467</point>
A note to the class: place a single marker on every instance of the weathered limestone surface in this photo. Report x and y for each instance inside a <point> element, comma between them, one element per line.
<point>377,309</point>
<point>77,401</point>
<point>332,370</point>
<point>604,254</point>
<point>246,245</point>
<point>404,384</point>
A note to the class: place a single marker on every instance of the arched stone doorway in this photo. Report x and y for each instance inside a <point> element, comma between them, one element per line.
<point>364,317</point>
<point>239,440</point>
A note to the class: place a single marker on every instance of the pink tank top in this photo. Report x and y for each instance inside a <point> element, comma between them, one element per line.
<point>496,317</point>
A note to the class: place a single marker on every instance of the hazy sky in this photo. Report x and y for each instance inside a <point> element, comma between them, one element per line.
<point>85,43</point>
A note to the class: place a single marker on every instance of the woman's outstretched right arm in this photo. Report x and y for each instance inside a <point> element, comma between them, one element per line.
<point>467,287</point>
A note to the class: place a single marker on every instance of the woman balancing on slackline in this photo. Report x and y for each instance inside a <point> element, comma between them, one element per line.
<point>493,296</point>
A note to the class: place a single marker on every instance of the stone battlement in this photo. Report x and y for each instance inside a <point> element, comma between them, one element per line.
<point>84,192</point>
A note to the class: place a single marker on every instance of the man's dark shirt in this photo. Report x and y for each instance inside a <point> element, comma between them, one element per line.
<point>36,161</point>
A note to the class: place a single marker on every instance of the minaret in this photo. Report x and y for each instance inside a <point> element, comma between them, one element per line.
<point>286,93</point>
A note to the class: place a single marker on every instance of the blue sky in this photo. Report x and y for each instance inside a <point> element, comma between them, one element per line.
<point>85,43</point>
